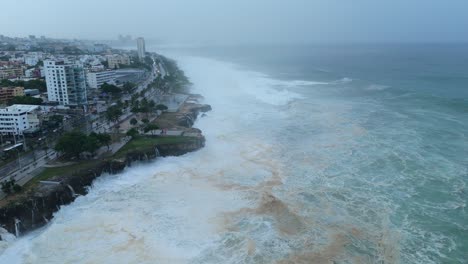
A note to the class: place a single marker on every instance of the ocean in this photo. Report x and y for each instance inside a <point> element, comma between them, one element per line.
<point>314,154</point>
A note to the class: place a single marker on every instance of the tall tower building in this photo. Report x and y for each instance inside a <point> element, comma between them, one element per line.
<point>141,48</point>
<point>66,83</point>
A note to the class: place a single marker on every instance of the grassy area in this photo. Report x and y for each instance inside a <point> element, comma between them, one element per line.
<point>141,144</point>
<point>138,144</point>
<point>60,171</point>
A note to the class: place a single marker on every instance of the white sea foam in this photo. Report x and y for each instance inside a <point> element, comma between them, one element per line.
<point>173,210</point>
<point>377,87</point>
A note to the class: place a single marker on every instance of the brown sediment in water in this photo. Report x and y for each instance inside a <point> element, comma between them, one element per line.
<point>251,247</point>
<point>325,255</point>
<point>286,221</point>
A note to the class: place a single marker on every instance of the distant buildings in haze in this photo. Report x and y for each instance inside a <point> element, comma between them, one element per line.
<point>141,48</point>
<point>114,61</point>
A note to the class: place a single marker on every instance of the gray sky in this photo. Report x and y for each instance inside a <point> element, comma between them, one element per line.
<point>241,21</point>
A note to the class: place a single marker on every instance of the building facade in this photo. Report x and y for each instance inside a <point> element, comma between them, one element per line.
<point>114,61</point>
<point>10,72</point>
<point>141,48</point>
<point>66,83</point>
<point>19,119</point>
<point>97,78</point>
<point>7,93</point>
<point>31,60</point>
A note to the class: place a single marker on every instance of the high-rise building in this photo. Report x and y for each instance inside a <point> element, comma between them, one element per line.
<point>141,48</point>
<point>66,83</point>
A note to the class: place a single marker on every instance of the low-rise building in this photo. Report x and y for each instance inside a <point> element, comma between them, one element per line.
<point>19,119</point>
<point>31,60</point>
<point>31,92</point>
<point>114,61</point>
<point>32,73</point>
<point>97,78</point>
<point>7,93</point>
<point>10,72</point>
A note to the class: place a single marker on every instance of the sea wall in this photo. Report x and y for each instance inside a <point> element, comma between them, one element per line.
<point>37,207</point>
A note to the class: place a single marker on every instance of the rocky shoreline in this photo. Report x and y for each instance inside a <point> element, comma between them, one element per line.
<point>36,207</point>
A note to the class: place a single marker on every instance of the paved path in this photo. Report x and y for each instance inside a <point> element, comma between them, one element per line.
<point>113,148</point>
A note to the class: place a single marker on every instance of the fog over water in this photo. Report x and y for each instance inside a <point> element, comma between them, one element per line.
<point>230,22</point>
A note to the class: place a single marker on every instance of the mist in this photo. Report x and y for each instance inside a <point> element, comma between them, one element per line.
<point>242,21</point>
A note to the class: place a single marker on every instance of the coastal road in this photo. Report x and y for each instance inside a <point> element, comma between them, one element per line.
<point>20,163</point>
<point>29,171</point>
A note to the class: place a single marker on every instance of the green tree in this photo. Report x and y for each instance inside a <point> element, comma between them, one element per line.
<point>151,127</point>
<point>161,107</point>
<point>145,120</point>
<point>72,144</point>
<point>113,113</point>
<point>128,87</point>
<point>17,188</point>
<point>133,132</point>
<point>27,100</point>
<point>111,89</point>
<point>104,139</point>
<point>92,143</point>
<point>133,121</point>
<point>7,186</point>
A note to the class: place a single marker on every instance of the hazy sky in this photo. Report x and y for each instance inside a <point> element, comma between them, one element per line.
<point>241,21</point>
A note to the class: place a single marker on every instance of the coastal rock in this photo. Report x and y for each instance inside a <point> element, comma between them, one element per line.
<point>36,208</point>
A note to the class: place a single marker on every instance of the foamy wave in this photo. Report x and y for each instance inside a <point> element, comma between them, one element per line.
<point>239,83</point>
<point>343,80</point>
<point>377,87</point>
<point>295,83</point>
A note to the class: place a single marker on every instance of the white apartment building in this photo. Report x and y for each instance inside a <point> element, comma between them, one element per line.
<point>31,60</point>
<point>97,78</point>
<point>17,119</point>
<point>66,83</point>
<point>141,48</point>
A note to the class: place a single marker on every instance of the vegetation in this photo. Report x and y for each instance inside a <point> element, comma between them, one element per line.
<point>61,171</point>
<point>147,143</point>
<point>175,77</point>
<point>132,132</point>
<point>39,84</point>
<point>161,107</point>
<point>151,127</point>
<point>133,121</point>
<point>73,144</point>
<point>113,113</point>
<point>26,100</point>
<point>128,87</point>
<point>111,89</point>
<point>143,106</point>
<point>53,122</point>
<point>10,186</point>
<point>72,50</point>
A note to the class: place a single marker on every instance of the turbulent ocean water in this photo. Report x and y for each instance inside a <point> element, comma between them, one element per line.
<point>314,154</point>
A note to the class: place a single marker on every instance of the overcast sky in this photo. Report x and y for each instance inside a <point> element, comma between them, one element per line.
<point>241,21</point>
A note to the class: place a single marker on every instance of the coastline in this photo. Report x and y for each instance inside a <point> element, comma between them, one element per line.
<point>33,208</point>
